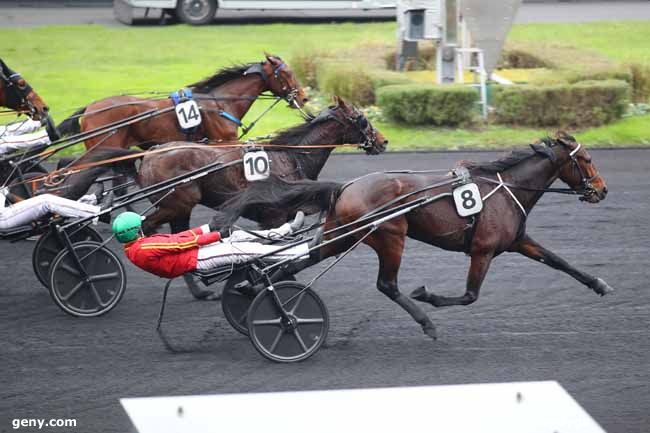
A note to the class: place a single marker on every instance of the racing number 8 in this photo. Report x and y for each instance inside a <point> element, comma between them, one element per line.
<point>468,199</point>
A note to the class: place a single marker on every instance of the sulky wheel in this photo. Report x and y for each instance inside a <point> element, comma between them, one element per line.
<point>92,296</point>
<point>49,245</point>
<point>235,304</point>
<point>295,337</point>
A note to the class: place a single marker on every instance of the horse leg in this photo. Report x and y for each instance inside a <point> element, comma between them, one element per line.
<point>531,249</point>
<point>480,263</point>
<point>389,251</point>
<point>179,224</point>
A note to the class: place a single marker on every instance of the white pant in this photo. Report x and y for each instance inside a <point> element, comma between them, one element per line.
<point>26,211</point>
<point>240,247</point>
<point>23,135</point>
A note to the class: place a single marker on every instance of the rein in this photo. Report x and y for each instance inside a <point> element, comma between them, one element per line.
<point>65,171</point>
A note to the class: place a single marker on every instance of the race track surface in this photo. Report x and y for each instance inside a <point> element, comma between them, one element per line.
<point>530,323</point>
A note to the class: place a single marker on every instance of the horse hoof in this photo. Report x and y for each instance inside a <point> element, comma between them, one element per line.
<point>419,294</point>
<point>602,288</point>
<point>430,331</point>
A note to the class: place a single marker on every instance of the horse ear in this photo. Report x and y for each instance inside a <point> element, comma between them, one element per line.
<point>341,103</point>
<point>270,57</point>
<point>544,151</point>
<point>564,138</point>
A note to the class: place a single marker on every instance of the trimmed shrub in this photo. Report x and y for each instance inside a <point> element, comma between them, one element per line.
<point>305,66</point>
<point>588,103</point>
<point>418,104</point>
<point>640,82</point>
<point>426,59</point>
<point>351,83</point>
<point>355,84</point>
<point>519,59</point>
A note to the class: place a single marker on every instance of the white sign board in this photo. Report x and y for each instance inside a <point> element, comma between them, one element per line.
<point>188,114</point>
<point>468,200</point>
<point>526,407</point>
<point>257,165</point>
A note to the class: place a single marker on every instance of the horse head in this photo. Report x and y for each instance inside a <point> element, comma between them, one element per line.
<point>281,80</point>
<point>358,128</point>
<point>576,167</point>
<point>18,95</point>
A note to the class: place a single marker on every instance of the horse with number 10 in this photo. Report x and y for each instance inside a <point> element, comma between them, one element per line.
<point>510,188</point>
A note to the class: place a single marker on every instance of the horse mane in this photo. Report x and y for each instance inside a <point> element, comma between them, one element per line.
<point>220,77</point>
<point>294,135</point>
<point>507,161</point>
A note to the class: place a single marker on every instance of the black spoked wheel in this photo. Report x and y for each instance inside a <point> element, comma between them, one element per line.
<point>49,245</point>
<point>235,304</point>
<point>295,337</point>
<point>92,296</point>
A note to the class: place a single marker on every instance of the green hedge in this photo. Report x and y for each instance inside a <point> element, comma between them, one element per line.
<point>428,104</point>
<point>588,103</point>
<point>355,84</point>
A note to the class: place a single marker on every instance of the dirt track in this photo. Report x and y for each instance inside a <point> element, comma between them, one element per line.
<point>530,323</point>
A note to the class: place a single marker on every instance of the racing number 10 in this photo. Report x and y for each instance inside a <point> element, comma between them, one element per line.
<point>257,165</point>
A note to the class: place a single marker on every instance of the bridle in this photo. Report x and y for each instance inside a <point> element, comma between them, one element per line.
<point>15,94</point>
<point>587,188</point>
<point>276,72</point>
<point>368,133</point>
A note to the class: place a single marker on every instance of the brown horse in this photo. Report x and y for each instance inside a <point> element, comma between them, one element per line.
<point>231,91</point>
<point>336,125</point>
<point>498,228</point>
<point>18,95</point>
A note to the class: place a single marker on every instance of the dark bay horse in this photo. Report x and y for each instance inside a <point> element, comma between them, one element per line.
<point>18,95</point>
<point>499,228</point>
<point>232,90</point>
<point>336,125</point>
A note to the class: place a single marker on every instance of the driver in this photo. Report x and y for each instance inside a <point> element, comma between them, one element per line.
<point>201,248</point>
<point>26,211</point>
<point>22,135</point>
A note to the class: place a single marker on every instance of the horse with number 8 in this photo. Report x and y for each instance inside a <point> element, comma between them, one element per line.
<point>509,188</point>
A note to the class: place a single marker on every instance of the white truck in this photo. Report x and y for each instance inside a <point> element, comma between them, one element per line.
<point>197,12</point>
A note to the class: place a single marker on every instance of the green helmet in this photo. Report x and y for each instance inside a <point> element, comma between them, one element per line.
<point>127,226</point>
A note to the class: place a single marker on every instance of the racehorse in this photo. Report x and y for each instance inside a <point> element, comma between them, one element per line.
<point>510,187</point>
<point>223,98</point>
<point>18,95</point>
<point>336,125</point>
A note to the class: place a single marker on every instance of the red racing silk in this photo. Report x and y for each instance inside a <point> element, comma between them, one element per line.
<point>169,256</point>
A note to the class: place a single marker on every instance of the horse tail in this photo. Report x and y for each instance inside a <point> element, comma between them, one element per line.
<point>70,125</point>
<point>279,195</point>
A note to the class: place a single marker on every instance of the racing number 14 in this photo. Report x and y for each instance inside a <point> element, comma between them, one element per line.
<point>188,114</point>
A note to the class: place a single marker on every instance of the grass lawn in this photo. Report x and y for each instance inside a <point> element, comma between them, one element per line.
<point>71,66</point>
